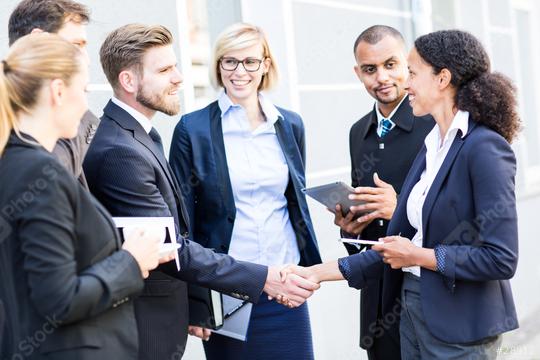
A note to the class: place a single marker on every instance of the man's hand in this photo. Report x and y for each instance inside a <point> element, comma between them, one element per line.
<point>294,288</point>
<point>199,332</point>
<point>380,201</point>
<point>348,223</point>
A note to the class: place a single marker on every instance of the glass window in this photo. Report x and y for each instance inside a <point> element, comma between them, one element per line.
<point>528,89</point>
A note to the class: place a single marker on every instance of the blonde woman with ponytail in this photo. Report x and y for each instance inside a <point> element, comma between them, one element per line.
<point>66,280</point>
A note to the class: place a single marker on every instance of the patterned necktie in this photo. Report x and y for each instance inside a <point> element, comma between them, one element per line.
<point>157,140</point>
<point>386,126</point>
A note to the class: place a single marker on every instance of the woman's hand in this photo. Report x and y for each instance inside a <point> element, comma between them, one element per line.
<point>400,252</point>
<point>397,251</point>
<point>143,245</point>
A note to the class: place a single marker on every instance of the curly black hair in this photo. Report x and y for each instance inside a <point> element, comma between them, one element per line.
<point>489,97</point>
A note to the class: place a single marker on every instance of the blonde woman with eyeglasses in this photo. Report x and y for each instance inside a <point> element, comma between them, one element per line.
<point>242,162</point>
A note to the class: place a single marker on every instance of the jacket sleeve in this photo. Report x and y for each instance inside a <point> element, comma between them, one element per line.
<point>48,243</point>
<point>360,268</point>
<point>221,272</point>
<point>493,254</point>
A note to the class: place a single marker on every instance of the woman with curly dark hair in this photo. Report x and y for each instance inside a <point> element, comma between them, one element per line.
<point>455,243</point>
<point>457,205</point>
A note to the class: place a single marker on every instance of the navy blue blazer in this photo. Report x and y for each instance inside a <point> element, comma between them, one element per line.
<point>199,161</point>
<point>130,177</point>
<point>470,209</point>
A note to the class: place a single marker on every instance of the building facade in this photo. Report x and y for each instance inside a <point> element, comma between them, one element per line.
<point>312,41</point>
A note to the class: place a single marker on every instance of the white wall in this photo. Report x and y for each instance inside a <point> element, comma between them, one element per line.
<point>313,42</point>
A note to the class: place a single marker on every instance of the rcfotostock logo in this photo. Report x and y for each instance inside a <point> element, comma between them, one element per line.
<point>5,229</point>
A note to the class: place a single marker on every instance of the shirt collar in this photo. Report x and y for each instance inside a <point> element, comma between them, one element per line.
<point>380,116</point>
<point>401,117</point>
<point>141,119</point>
<point>269,110</point>
<point>459,123</point>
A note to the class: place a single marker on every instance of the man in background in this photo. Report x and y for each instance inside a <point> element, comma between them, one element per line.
<point>383,145</point>
<point>68,19</point>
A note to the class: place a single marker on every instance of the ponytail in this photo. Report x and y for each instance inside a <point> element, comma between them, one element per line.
<point>490,98</point>
<point>7,115</point>
<point>31,60</point>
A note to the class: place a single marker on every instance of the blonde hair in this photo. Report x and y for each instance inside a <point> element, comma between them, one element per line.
<point>32,60</point>
<point>237,37</point>
<point>125,47</point>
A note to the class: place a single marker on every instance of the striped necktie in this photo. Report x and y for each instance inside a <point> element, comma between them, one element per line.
<point>386,126</point>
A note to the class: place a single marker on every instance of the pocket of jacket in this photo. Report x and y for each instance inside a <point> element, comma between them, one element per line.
<point>69,338</point>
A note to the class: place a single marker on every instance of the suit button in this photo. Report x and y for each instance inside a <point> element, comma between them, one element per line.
<point>230,219</point>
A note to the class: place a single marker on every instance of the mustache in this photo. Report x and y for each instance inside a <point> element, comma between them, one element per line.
<point>384,86</point>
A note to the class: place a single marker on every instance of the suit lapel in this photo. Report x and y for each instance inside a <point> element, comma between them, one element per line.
<point>126,121</point>
<point>439,180</point>
<point>412,178</point>
<point>285,136</point>
<point>220,156</point>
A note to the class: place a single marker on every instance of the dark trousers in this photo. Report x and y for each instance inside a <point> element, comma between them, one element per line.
<point>384,348</point>
<point>418,343</point>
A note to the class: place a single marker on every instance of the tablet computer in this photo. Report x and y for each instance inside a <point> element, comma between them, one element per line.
<point>332,194</point>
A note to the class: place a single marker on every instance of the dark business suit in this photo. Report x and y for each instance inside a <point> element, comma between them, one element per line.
<point>470,209</point>
<point>391,158</point>
<point>66,284</point>
<point>198,160</point>
<point>71,152</point>
<point>127,172</point>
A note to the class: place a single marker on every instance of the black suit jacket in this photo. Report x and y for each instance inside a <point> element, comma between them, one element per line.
<point>129,175</point>
<point>71,152</point>
<point>198,159</point>
<point>391,158</point>
<point>66,284</point>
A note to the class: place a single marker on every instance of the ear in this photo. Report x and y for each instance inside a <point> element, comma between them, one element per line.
<point>267,63</point>
<point>128,81</point>
<point>445,76</point>
<point>57,92</point>
<point>36,31</point>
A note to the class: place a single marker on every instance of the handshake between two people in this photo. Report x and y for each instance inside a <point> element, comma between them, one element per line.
<point>396,251</point>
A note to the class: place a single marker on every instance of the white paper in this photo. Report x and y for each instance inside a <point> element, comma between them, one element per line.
<point>165,223</point>
<point>359,241</point>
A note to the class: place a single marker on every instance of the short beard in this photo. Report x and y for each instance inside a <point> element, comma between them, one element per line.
<point>156,102</point>
<point>387,101</point>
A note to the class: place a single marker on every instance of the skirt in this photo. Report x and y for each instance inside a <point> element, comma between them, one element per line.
<point>275,332</point>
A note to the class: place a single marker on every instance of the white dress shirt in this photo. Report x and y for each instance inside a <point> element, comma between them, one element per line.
<point>141,119</point>
<point>435,155</point>
<point>259,175</point>
<point>380,116</point>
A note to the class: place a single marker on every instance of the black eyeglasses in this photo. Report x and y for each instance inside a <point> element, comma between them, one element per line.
<point>250,64</point>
